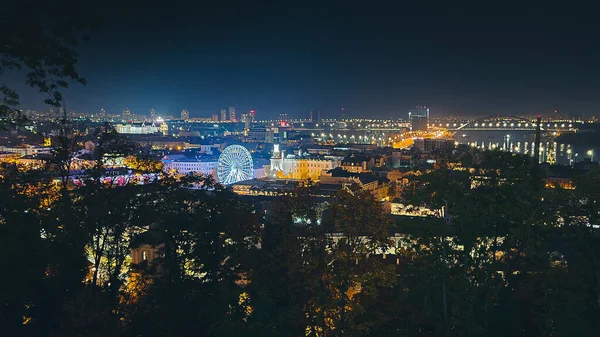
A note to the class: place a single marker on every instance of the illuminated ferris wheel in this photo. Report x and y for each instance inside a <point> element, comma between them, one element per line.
<point>235,164</point>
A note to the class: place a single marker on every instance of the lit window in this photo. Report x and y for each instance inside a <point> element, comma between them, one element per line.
<point>144,256</point>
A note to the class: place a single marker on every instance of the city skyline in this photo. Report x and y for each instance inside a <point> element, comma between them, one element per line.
<point>378,61</point>
<point>279,168</point>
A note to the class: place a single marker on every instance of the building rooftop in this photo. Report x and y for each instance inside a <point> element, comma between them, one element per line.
<point>42,156</point>
<point>190,158</point>
<point>367,178</point>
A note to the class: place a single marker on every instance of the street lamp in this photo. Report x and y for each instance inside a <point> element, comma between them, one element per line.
<point>591,154</point>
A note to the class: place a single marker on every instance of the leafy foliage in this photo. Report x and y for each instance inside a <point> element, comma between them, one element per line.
<point>39,39</point>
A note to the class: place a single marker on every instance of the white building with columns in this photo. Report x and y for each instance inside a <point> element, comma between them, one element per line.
<point>300,167</point>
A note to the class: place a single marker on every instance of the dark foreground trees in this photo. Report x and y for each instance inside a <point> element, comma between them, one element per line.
<point>316,266</point>
<point>509,257</point>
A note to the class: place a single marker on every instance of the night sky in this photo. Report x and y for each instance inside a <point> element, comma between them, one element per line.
<point>372,59</point>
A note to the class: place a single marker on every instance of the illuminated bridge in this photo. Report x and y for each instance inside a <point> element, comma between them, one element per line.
<point>506,123</point>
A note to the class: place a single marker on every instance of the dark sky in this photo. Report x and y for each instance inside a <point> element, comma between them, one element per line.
<point>373,58</point>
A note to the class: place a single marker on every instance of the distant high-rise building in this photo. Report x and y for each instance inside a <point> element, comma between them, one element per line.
<point>185,114</point>
<point>419,118</point>
<point>152,114</point>
<point>418,123</point>
<point>102,112</point>
<point>215,118</point>
<point>315,116</point>
<point>126,112</point>
<point>223,115</point>
<point>247,120</point>
<point>232,114</point>
<point>419,110</point>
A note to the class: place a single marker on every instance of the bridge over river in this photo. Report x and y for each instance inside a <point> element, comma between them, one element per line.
<point>507,123</point>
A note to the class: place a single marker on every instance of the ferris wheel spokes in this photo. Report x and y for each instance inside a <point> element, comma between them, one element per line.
<point>234,164</point>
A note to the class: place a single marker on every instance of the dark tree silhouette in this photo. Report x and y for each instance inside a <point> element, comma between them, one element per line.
<point>37,42</point>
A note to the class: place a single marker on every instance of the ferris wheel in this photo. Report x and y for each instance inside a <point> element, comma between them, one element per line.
<point>235,164</point>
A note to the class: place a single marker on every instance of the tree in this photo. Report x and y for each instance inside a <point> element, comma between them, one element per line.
<point>143,163</point>
<point>22,253</point>
<point>204,234</point>
<point>359,218</point>
<point>281,277</point>
<point>571,288</point>
<point>39,38</point>
<point>498,218</point>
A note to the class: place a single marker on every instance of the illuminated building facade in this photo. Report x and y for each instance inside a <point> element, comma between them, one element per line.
<point>256,135</point>
<point>137,128</point>
<point>419,118</point>
<point>409,210</point>
<point>354,166</point>
<point>420,110</point>
<point>247,120</point>
<point>223,115</point>
<point>298,167</point>
<point>418,123</point>
<point>26,150</point>
<point>263,135</point>
<point>179,163</point>
<point>429,144</point>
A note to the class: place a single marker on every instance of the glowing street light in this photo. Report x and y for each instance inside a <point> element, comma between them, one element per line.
<point>591,154</point>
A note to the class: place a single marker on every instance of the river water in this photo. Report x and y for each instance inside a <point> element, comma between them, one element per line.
<point>523,142</point>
